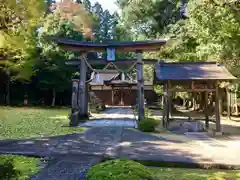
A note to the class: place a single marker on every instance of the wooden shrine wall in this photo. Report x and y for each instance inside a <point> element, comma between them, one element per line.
<point>123,97</point>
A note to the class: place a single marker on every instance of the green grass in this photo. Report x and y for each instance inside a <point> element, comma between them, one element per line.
<point>17,167</point>
<point>194,174</point>
<point>20,123</point>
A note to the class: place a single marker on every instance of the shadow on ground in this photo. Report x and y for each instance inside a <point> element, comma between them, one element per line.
<point>173,148</point>
<point>140,146</point>
<point>94,141</point>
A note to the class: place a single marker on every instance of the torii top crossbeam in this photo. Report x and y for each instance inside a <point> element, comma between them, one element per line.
<point>71,45</point>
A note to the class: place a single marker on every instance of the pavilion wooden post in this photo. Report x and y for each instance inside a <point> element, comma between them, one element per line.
<point>83,110</point>
<point>206,109</point>
<point>167,105</point>
<point>228,103</point>
<point>112,97</point>
<point>236,104</point>
<point>164,105</point>
<point>194,98</point>
<point>170,97</point>
<point>220,101</point>
<point>140,86</point>
<point>217,112</point>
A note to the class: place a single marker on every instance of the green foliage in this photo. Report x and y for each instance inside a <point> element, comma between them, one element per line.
<point>119,170</point>
<point>19,20</point>
<point>147,125</point>
<point>158,89</point>
<point>211,31</point>
<point>216,27</point>
<point>52,72</point>
<point>147,112</point>
<point>149,17</point>
<point>17,167</point>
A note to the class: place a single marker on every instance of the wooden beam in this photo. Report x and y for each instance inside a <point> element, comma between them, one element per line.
<point>78,46</point>
<point>106,71</point>
<point>105,62</point>
<point>217,112</point>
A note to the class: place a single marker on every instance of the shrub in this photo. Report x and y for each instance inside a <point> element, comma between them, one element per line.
<point>147,112</point>
<point>148,125</point>
<point>8,171</point>
<point>119,170</point>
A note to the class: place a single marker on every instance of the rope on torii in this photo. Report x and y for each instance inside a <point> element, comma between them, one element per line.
<point>95,72</point>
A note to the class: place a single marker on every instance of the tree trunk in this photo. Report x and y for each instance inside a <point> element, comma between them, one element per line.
<point>54,97</point>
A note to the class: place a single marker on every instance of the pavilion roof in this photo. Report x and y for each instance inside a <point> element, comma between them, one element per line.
<point>149,45</point>
<point>192,71</point>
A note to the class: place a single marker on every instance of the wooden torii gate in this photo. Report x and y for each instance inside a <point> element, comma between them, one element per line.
<point>81,99</point>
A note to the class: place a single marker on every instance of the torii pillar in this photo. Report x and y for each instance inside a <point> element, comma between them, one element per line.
<point>140,86</point>
<point>83,90</point>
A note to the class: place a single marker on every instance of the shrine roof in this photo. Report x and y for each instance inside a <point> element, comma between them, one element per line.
<point>149,45</point>
<point>102,78</point>
<point>192,71</point>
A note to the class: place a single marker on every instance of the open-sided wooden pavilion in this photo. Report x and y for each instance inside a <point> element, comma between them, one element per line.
<point>80,90</point>
<point>192,77</point>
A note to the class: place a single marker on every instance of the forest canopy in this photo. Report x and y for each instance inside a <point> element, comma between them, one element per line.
<point>204,30</point>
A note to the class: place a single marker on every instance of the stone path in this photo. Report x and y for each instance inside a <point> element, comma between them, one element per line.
<point>67,167</point>
<point>72,155</point>
<point>72,158</point>
<point>190,148</point>
<point>114,117</point>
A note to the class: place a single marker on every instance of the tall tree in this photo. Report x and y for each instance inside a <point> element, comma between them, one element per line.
<point>97,11</point>
<point>150,17</point>
<point>87,4</point>
<point>51,71</point>
<point>75,12</point>
<point>18,23</point>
